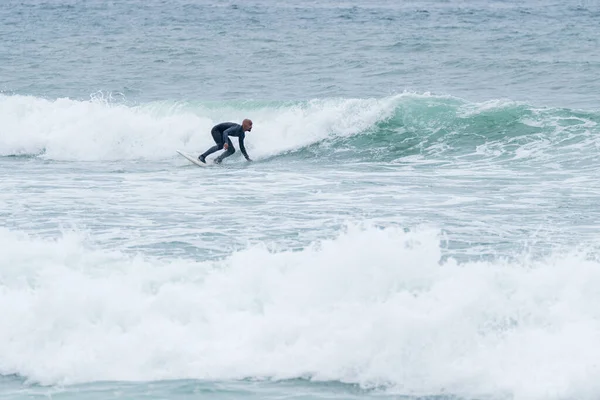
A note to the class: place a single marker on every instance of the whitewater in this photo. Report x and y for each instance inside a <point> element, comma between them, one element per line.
<point>420,219</point>
<point>371,306</point>
<point>392,246</point>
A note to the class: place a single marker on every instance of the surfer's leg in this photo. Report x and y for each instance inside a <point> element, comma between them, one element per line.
<point>230,150</point>
<point>218,138</point>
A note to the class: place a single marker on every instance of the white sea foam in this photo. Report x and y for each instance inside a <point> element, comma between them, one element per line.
<point>372,306</point>
<point>66,129</point>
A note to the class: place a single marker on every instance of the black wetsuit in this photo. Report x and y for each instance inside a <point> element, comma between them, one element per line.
<point>220,134</point>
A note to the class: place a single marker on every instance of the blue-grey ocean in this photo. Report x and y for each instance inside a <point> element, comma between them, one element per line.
<point>420,219</point>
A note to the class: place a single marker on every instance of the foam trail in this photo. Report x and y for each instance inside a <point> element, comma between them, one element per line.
<point>372,306</point>
<point>94,130</point>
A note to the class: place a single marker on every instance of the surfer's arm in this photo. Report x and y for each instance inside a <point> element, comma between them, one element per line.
<point>226,136</point>
<point>243,149</point>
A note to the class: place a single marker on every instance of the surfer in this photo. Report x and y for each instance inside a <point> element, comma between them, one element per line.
<point>221,134</point>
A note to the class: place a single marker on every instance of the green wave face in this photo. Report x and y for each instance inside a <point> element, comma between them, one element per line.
<point>448,129</point>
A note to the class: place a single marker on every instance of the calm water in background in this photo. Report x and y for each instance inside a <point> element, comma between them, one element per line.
<point>420,219</point>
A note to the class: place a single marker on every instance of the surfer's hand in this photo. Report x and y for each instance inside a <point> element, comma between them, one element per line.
<point>226,146</point>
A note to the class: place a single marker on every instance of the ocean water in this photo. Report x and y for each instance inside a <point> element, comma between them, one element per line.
<point>420,220</point>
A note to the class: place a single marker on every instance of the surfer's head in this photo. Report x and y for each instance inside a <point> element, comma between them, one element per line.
<point>247,125</point>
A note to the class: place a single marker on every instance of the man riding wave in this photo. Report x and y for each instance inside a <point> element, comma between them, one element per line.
<point>221,134</point>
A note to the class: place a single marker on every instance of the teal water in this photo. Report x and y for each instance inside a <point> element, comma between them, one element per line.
<point>420,219</point>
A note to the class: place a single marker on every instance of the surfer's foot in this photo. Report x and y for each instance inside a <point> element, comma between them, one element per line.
<point>202,159</point>
<point>218,160</point>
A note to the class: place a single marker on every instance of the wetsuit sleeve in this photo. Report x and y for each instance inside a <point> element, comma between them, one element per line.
<point>243,148</point>
<point>226,133</point>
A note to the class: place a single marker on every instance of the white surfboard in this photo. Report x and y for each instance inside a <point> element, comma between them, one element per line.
<point>191,158</point>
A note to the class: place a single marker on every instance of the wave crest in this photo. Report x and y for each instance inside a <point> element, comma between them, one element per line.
<point>384,129</point>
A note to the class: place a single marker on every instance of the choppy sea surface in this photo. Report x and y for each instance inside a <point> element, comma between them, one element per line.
<point>420,220</point>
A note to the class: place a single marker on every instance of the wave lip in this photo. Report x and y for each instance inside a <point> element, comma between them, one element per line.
<point>372,306</point>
